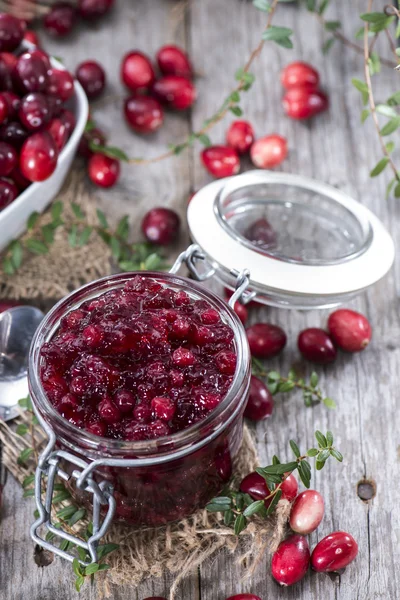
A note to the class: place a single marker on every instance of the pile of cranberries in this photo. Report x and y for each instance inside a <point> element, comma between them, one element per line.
<point>34,123</point>
<point>64,16</point>
<point>303,98</point>
<point>139,363</point>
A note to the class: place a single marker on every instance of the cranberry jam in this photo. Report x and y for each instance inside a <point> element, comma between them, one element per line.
<point>152,369</point>
<point>140,362</point>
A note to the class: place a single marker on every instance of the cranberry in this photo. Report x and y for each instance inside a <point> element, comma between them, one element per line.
<point>174,91</point>
<point>244,597</point>
<point>93,9</point>
<point>20,181</point>
<point>13,133</point>
<point>261,233</point>
<point>60,84</point>
<point>182,357</point>
<point>94,135</point>
<point>299,74</point>
<point>240,136</point>
<point>8,192</point>
<point>241,312</point>
<point>60,19</point>
<point>40,54</point>
<point>307,512</point>
<point>69,120</point>
<point>316,346</point>
<point>108,411</point>
<point>38,158</point>
<point>7,304</point>
<point>92,78</point>
<point>3,108</point>
<point>31,37</point>
<point>103,170</point>
<point>161,226</point>
<point>265,340</point>
<point>163,408</point>
<point>137,72</point>
<point>98,428</point>
<point>350,330</point>
<point>303,103</point>
<point>7,64</point>
<point>34,111</point>
<point>226,362</point>
<point>334,552</point>
<point>13,103</point>
<point>269,151</point>
<point>31,72</point>
<point>260,403</point>
<point>291,561</point>
<point>221,161</point>
<point>8,159</point>
<point>144,114</point>
<point>11,32</point>
<point>256,487</point>
<point>58,131</point>
<point>172,60</point>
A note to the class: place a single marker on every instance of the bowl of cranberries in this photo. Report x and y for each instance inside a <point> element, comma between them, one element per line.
<point>150,370</point>
<point>43,113</point>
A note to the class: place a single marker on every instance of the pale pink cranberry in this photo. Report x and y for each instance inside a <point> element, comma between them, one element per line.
<point>350,330</point>
<point>175,92</point>
<point>334,552</point>
<point>316,346</point>
<point>265,340</point>
<point>240,136</point>
<point>137,72</point>
<point>221,161</point>
<point>307,512</point>
<point>269,151</point>
<point>172,60</point>
<point>291,561</point>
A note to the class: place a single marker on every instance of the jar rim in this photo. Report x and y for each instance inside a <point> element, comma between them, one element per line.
<point>216,421</point>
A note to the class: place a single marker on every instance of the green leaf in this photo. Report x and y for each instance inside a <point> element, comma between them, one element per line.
<point>275,460</point>
<point>374,63</point>
<point>397,34</point>
<point>362,87</point>
<point>329,403</point>
<point>323,455</point>
<point>365,114</point>
<point>332,25</point>
<point>85,235</point>
<point>29,479</point>
<point>79,581</point>
<point>66,512</point>
<point>76,209</point>
<point>314,379</point>
<point>77,516</point>
<point>235,96</point>
<point>378,21</point>
<point>228,517</point>
<point>76,567</point>
<point>22,429</point>
<point>115,247</point>
<point>152,262</point>
<point>273,376</point>
<point>72,236</point>
<point>262,5</point>
<point>102,218</point>
<point>29,493</point>
<point>321,439</point>
<point>285,43</point>
<point>278,469</point>
<point>391,126</point>
<point>219,504</point>
<point>36,247</point>
<point>90,125</point>
<point>295,448</point>
<point>394,100</point>
<point>91,569</point>
<point>24,455</point>
<point>103,567</point>
<point>240,524</point>
<point>32,220</point>
<point>329,438</point>
<point>56,210</point>
<point>236,110</point>
<point>323,6</point>
<point>16,254</point>
<point>311,5</point>
<point>389,187</point>
<point>61,496</point>
<point>312,452</point>
<point>8,266</point>
<point>277,34</point>
<point>286,386</point>
<point>254,508</point>
<point>275,499</point>
<point>382,164</point>
<point>25,403</point>
<point>397,190</point>
<point>387,111</point>
<point>48,234</point>
<point>82,554</point>
<point>204,139</point>
<point>328,45</point>
<point>304,473</point>
<point>336,454</point>
<point>110,151</point>
<point>105,549</point>
<point>319,465</point>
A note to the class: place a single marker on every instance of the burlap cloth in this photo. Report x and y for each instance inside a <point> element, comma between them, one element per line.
<point>177,548</point>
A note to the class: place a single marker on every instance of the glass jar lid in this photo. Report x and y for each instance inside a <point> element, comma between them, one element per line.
<point>305,243</point>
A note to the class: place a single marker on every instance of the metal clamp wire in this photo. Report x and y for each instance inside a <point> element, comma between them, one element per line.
<point>242,283</point>
<point>189,256</point>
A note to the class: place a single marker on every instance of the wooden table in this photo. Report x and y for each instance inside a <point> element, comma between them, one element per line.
<point>335,148</point>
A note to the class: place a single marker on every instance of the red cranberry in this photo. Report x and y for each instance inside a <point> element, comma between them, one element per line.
<point>182,357</point>
<point>316,346</point>
<point>163,408</point>
<point>260,403</point>
<point>256,487</point>
<point>103,170</point>
<point>261,233</point>
<point>20,181</point>
<point>13,103</point>
<point>221,161</point>
<point>307,512</point>
<point>60,84</point>
<point>144,114</point>
<point>265,340</point>
<point>350,330</point>
<point>98,428</point>
<point>38,158</point>
<point>8,192</point>
<point>8,159</point>
<point>31,37</point>
<point>7,64</point>
<point>92,78</point>
<point>108,411</point>
<point>269,151</point>
<point>226,362</point>
<point>3,108</point>
<point>161,226</point>
<point>291,561</point>
<point>303,103</point>
<point>93,9</point>
<point>60,20</point>
<point>174,91</point>
<point>7,304</point>
<point>43,56</point>
<point>34,111</point>
<point>58,132</point>
<point>31,72</point>
<point>137,72</point>
<point>94,135</point>
<point>69,120</point>
<point>334,552</point>
<point>240,136</point>
<point>244,597</point>
<point>13,133</point>
<point>299,74</point>
<point>11,32</point>
<point>172,60</point>
<point>241,312</point>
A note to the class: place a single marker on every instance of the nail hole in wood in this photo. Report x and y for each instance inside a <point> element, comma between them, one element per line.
<point>366,489</point>
<point>42,557</point>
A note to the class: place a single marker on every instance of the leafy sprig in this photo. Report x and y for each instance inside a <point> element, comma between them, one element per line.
<point>276,383</point>
<point>238,508</point>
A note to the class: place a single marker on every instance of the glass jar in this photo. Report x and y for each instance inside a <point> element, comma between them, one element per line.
<point>155,481</point>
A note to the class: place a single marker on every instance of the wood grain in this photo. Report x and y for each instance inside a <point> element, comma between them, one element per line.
<point>334,148</point>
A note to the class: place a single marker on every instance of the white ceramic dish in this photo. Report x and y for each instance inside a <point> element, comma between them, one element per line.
<point>39,195</point>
